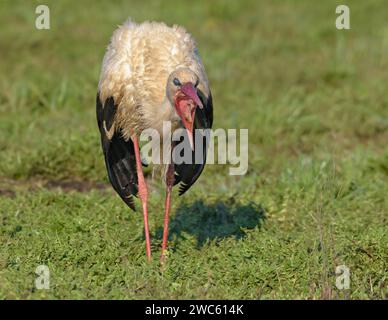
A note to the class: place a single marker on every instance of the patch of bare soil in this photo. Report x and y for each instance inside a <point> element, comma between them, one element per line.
<point>7,193</point>
<point>9,187</point>
<point>79,186</point>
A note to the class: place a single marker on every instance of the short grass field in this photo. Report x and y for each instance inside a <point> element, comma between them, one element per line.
<point>315,196</point>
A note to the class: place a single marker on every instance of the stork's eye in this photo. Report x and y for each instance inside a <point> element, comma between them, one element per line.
<point>196,84</point>
<point>176,82</point>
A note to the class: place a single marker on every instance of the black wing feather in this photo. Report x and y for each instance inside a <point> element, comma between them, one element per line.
<point>187,174</point>
<point>119,154</point>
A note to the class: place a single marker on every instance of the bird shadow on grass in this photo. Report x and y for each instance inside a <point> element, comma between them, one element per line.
<point>215,221</point>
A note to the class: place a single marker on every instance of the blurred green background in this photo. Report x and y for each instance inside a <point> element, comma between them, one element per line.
<point>315,102</point>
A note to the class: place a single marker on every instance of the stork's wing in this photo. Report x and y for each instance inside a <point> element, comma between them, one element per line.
<point>187,174</point>
<point>119,154</point>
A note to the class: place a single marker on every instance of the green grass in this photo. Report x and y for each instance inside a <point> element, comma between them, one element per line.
<point>315,195</point>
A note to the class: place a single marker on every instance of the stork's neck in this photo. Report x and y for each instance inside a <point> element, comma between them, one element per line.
<point>164,112</point>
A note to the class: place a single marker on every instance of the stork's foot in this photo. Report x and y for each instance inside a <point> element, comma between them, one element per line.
<point>164,256</point>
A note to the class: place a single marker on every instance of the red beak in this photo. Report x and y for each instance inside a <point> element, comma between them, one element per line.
<point>189,90</point>
<point>186,109</point>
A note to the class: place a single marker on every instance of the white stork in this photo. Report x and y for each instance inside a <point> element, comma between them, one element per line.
<point>151,73</point>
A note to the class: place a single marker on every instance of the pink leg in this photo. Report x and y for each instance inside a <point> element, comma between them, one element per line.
<point>143,194</point>
<point>169,183</point>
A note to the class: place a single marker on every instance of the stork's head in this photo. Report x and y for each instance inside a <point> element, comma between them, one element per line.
<point>182,93</point>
